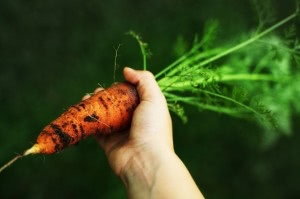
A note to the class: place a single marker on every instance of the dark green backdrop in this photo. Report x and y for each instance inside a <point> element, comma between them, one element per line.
<point>52,52</point>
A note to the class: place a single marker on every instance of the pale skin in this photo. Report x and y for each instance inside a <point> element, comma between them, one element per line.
<point>144,157</point>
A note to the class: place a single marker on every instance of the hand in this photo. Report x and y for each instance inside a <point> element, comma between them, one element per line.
<point>151,128</point>
<point>144,156</point>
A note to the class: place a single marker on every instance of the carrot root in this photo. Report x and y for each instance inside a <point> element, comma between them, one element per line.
<point>33,150</point>
<point>10,162</point>
<point>105,112</point>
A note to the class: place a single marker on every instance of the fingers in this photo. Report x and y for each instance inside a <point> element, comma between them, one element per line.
<point>111,142</point>
<point>147,86</point>
<point>101,139</point>
<point>87,96</point>
<point>98,90</point>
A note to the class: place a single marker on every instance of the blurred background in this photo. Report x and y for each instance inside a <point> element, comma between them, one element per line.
<point>52,52</point>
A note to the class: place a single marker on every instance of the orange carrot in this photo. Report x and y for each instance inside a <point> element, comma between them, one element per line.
<point>106,112</point>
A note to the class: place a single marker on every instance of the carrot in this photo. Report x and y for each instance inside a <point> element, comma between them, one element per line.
<point>106,112</point>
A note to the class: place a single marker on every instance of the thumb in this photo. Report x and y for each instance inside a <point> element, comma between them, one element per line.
<point>146,84</point>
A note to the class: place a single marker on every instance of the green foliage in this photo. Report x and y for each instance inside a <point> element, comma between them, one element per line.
<point>257,79</point>
<point>146,53</point>
<point>178,110</point>
<point>210,33</point>
<point>180,46</point>
<point>265,13</point>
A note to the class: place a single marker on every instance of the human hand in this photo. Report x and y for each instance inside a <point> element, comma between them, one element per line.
<point>150,135</point>
<point>144,156</point>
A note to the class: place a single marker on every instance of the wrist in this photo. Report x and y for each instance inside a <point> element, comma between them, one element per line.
<point>139,174</point>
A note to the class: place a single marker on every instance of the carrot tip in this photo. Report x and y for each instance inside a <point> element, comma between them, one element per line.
<point>33,150</point>
<point>10,162</point>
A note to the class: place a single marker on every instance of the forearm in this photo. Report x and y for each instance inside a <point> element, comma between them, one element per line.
<point>166,177</point>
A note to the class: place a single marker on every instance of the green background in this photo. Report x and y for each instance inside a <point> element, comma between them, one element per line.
<point>52,52</point>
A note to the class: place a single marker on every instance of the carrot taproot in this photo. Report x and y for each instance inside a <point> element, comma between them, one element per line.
<point>106,112</point>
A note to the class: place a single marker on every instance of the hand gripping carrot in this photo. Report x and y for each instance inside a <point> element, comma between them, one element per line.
<point>106,112</point>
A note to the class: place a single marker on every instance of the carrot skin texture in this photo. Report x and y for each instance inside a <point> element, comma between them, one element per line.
<point>106,112</point>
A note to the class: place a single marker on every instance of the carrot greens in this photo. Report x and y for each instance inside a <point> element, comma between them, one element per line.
<point>257,78</point>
